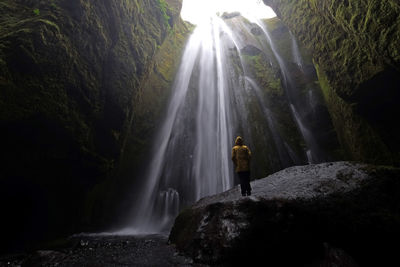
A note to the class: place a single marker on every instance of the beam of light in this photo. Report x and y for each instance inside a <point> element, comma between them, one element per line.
<point>196,11</point>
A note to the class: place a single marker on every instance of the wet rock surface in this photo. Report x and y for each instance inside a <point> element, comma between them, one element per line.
<point>150,250</point>
<point>299,182</point>
<point>251,50</point>
<point>230,15</point>
<point>352,43</point>
<point>330,214</point>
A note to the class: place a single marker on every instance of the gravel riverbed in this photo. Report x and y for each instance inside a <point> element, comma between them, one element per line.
<point>104,250</point>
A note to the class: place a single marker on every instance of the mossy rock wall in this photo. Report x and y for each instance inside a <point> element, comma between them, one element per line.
<point>274,136</point>
<point>355,43</point>
<point>71,73</point>
<point>105,207</point>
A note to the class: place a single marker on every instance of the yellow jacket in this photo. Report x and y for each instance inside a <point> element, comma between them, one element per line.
<point>241,156</point>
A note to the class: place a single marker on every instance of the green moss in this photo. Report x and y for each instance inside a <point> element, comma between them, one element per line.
<point>36,11</point>
<point>50,23</point>
<point>273,23</point>
<point>155,91</point>
<point>137,6</point>
<point>164,11</point>
<point>267,77</point>
<point>355,135</point>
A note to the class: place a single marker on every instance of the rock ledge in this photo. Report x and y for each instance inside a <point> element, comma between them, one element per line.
<point>332,213</point>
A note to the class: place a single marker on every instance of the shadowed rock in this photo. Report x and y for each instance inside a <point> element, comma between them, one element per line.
<point>250,50</point>
<point>256,30</point>
<point>316,215</point>
<point>230,15</point>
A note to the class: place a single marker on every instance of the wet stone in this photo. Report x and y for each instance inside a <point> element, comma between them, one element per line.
<point>150,250</point>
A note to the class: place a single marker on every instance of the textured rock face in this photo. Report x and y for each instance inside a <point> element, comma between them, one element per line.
<point>71,73</point>
<point>262,67</point>
<point>355,45</point>
<point>301,215</point>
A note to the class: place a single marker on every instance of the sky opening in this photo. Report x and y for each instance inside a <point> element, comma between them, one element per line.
<point>196,11</point>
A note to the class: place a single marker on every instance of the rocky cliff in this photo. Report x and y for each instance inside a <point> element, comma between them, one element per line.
<point>278,94</point>
<point>331,214</point>
<point>71,72</point>
<point>355,45</point>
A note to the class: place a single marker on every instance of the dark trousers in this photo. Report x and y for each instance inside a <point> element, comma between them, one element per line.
<point>245,183</point>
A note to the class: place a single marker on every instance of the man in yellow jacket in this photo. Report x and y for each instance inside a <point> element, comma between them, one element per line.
<point>241,159</point>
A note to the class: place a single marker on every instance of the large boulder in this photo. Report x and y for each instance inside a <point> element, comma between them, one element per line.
<point>316,215</point>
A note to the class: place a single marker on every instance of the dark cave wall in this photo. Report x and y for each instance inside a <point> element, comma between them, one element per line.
<point>71,73</point>
<point>108,203</point>
<point>355,45</point>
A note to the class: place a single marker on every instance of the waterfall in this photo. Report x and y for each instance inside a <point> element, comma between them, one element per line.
<point>169,205</point>
<point>312,147</point>
<point>285,154</point>
<point>296,52</point>
<point>313,152</point>
<point>208,108</point>
<point>191,156</point>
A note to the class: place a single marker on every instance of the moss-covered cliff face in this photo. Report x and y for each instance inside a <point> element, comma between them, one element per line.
<point>109,201</point>
<point>71,73</point>
<point>275,138</point>
<point>355,45</point>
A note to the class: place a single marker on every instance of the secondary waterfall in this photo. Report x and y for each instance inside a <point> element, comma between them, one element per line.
<point>313,152</point>
<point>208,108</point>
<point>296,52</point>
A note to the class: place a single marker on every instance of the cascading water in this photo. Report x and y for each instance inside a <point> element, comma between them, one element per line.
<point>286,156</point>
<point>192,150</point>
<point>296,52</point>
<point>207,109</point>
<point>313,152</point>
<point>168,204</point>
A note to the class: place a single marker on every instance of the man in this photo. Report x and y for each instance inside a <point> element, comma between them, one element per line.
<point>241,159</point>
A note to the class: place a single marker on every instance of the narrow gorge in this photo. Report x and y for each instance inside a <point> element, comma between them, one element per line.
<point>118,118</point>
